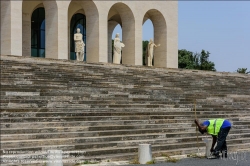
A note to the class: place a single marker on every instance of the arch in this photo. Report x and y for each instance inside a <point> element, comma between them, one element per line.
<point>147,34</point>
<point>10,30</point>
<point>51,13</point>
<point>89,10</point>
<point>52,33</point>
<point>121,14</point>
<point>78,20</point>
<point>160,36</point>
<point>28,7</point>
<point>38,32</point>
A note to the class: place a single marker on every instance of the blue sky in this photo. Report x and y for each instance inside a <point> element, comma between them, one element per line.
<point>220,27</point>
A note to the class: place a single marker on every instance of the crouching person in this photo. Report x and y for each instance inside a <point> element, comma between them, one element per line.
<point>218,129</point>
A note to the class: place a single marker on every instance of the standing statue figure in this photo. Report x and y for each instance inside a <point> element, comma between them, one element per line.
<point>117,49</point>
<point>150,52</point>
<point>79,45</point>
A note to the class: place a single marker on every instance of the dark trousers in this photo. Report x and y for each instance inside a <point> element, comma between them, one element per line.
<point>221,140</point>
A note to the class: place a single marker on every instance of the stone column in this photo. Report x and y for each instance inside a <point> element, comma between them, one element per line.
<point>160,37</point>
<point>63,29</point>
<point>26,34</point>
<point>172,38</point>
<point>56,29</point>
<point>103,36</point>
<point>128,35</point>
<point>92,31</point>
<point>138,41</point>
<point>11,29</point>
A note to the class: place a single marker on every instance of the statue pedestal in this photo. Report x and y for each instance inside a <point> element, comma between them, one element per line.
<point>144,153</point>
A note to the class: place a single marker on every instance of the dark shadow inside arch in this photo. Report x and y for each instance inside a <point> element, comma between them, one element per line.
<point>77,21</point>
<point>38,33</point>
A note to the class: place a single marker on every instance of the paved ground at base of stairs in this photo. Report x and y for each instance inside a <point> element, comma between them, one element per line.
<point>205,162</point>
<point>234,159</point>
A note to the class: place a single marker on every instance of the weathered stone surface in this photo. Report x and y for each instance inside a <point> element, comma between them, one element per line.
<point>109,109</point>
<point>22,93</point>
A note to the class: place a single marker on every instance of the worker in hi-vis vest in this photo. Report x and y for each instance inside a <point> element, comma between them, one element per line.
<point>219,129</point>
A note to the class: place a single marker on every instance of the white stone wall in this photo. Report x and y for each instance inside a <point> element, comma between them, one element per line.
<point>101,17</point>
<point>11,32</point>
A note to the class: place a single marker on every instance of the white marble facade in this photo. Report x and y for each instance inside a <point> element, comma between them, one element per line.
<point>101,19</point>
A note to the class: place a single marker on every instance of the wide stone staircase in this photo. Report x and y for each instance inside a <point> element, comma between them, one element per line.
<point>104,111</point>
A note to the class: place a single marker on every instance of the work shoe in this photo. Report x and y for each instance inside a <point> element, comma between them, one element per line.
<point>214,156</point>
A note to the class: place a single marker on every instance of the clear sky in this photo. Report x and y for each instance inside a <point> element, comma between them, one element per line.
<point>220,27</point>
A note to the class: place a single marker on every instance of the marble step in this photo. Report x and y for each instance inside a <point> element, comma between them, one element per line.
<point>165,118</point>
<point>126,100</point>
<point>66,127</point>
<point>240,128</point>
<point>78,122</point>
<point>187,110</point>
<point>90,145</point>
<point>138,93</point>
<point>46,140</point>
<point>170,114</point>
<point>157,150</point>
<point>121,111</point>
<point>86,133</point>
<point>62,134</point>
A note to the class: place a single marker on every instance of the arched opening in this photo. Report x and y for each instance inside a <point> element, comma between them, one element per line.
<point>121,14</point>
<point>111,35</point>
<point>77,21</point>
<point>44,38</point>
<point>84,15</point>
<point>148,33</point>
<point>10,22</point>
<point>31,9</point>
<point>159,37</point>
<point>38,33</point>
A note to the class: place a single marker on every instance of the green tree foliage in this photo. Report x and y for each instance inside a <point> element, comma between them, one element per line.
<point>198,61</point>
<point>243,71</point>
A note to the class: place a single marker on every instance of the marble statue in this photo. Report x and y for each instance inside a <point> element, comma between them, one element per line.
<point>150,52</point>
<point>79,45</point>
<point>117,49</point>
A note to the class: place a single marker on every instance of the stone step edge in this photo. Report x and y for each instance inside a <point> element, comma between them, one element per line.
<point>155,109</point>
<point>98,149</point>
<point>106,131</point>
<point>114,148</point>
<point>149,121</point>
<point>79,127</point>
<point>28,60</point>
<point>29,115</point>
<point>234,119</point>
<point>145,124</point>
<point>124,135</point>
<point>131,156</point>
<point>145,140</point>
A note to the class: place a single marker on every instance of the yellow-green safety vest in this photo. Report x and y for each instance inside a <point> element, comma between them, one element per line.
<point>214,126</point>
